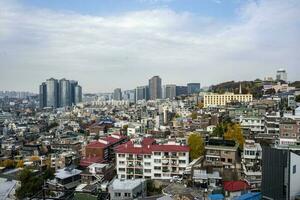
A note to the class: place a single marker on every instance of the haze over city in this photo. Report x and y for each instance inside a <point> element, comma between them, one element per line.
<point>110,44</point>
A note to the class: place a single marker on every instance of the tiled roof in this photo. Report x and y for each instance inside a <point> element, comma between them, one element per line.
<point>147,147</point>
<point>110,141</point>
<point>90,160</point>
<point>233,186</point>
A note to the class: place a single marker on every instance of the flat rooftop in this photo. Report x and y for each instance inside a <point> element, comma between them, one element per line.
<point>119,184</point>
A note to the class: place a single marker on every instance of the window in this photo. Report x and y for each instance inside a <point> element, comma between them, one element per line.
<point>157,168</point>
<point>147,164</point>
<point>157,153</point>
<point>117,194</point>
<point>147,156</point>
<point>121,162</point>
<point>127,194</point>
<point>122,169</point>
<point>121,155</point>
<point>294,169</point>
<point>229,160</point>
<point>147,170</point>
<point>157,161</point>
<point>181,161</point>
<point>157,175</point>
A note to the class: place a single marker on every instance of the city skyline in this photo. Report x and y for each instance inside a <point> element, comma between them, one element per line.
<point>125,43</point>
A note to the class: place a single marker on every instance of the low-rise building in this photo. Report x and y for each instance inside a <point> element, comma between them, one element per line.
<point>251,163</point>
<point>146,159</point>
<point>127,189</point>
<point>221,153</point>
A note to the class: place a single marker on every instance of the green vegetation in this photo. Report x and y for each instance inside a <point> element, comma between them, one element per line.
<point>32,183</point>
<point>253,87</point>
<point>196,145</point>
<point>194,115</point>
<point>220,130</point>
<point>297,98</point>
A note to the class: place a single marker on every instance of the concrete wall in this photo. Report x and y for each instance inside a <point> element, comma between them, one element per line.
<point>294,177</point>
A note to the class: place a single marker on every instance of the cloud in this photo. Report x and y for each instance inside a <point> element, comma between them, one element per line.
<point>104,52</point>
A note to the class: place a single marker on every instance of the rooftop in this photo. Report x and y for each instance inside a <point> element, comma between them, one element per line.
<point>147,146</point>
<point>64,173</point>
<point>129,184</point>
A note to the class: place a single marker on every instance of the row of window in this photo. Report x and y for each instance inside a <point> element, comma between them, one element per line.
<point>121,155</point>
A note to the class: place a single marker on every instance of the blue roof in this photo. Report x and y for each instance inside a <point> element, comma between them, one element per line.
<point>216,196</point>
<point>250,196</point>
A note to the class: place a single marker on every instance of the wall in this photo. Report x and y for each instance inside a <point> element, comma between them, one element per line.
<point>294,177</point>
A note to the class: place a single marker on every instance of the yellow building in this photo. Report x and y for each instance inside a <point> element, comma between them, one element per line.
<point>214,99</point>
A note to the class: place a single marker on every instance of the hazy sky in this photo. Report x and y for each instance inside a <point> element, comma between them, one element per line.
<point>106,44</point>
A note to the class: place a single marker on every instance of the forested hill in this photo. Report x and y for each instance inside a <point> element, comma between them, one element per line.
<point>253,87</point>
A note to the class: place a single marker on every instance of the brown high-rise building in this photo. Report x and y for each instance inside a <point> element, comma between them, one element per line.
<point>155,88</point>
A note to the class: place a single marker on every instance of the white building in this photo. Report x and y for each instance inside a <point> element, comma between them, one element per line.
<point>254,124</point>
<point>251,163</point>
<point>145,159</point>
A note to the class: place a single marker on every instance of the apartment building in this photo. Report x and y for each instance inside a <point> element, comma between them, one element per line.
<point>272,122</point>
<point>214,99</point>
<point>146,159</point>
<point>221,153</point>
<point>251,163</point>
<point>255,125</point>
<point>102,149</point>
<point>289,131</point>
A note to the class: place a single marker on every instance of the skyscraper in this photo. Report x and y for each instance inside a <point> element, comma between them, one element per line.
<point>155,88</point>
<point>73,84</point>
<point>193,88</point>
<point>281,75</point>
<point>170,91</point>
<point>43,95</point>
<point>64,93</point>
<point>78,94</point>
<point>142,93</point>
<point>129,95</point>
<point>181,90</point>
<point>117,95</point>
<point>52,93</point>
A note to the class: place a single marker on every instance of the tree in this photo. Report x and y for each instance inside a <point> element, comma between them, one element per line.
<point>20,164</point>
<point>297,98</point>
<point>220,130</point>
<point>30,184</point>
<point>234,132</point>
<point>8,163</point>
<point>194,115</point>
<point>196,145</point>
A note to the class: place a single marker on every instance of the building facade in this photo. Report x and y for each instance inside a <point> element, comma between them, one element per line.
<point>62,93</point>
<point>193,88</point>
<point>142,93</point>
<point>214,99</point>
<point>170,91</point>
<point>155,90</point>
<point>151,161</point>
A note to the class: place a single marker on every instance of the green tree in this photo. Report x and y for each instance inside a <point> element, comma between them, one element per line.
<point>196,145</point>
<point>30,184</point>
<point>220,130</point>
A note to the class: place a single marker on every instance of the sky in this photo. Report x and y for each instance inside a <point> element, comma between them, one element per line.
<point>107,44</point>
